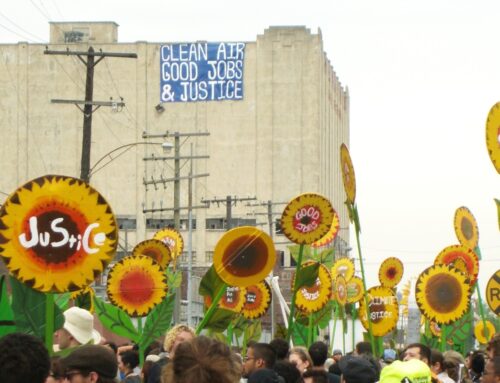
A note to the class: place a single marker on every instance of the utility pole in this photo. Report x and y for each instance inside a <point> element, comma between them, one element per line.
<point>88,103</point>
<point>229,201</point>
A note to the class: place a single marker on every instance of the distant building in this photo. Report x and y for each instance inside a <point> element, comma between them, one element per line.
<point>277,137</point>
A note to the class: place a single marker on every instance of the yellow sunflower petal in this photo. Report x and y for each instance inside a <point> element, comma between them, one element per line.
<point>258,300</point>
<point>481,335</point>
<point>384,310</point>
<point>462,258</point>
<point>307,218</point>
<point>442,293</point>
<point>313,298</point>
<point>173,239</point>
<point>435,329</point>
<point>136,284</point>
<point>355,290</point>
<point>466,228</point>
<point>344,267</point>
<point>493,135</point>
<point>57,234</point>
<point>348,176</point>
<point>390,272</point>
<point>331,235</point>
<point>156,249</point>
<point>244,256</point>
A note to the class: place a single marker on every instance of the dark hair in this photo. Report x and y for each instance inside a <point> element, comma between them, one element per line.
<point>319,353</point>
<point>496,365</point>
<point>437,357</point>
<point>23,358</point>
<point>203,360</point>
<point>281,347</point>
<point>287,370</point>
<point>425,352</point>
<point>477,362</point>
<point>130,358</point>
<point>112,345</point>
<point>265,352</point>
<point>494,345</point>
<point>335,369</point>
<point>318,376</point>
<point>364,348</point>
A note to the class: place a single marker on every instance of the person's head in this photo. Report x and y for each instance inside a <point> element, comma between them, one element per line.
<point>78,329</point>
<point>337,354</point>
<point>417,351</point>
<point>492,371</point>
<point>454,362</point>
<point>259,355</point>
<point>112,346</point>
<point>301,358</point>
<point>23,358</point>
<point>281,347</point>
<point>202,360</point>
<point>315,376</point>
<point>56,374</point>
<point>128,360</point>
<point>318,352</point>
<point>389,355</point>
<point>493,347</point>
<point>357,369</point>
<point>175,336</point>
<point>413,370</point>
<point>477,362</point>
<point>90,364</point>
<point>287,371</point>
<point>363,348</point>
<point>436,363</point>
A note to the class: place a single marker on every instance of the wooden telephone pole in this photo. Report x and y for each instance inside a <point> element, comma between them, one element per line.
<point>88,103</point>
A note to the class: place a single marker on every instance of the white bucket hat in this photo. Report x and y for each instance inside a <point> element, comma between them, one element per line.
<point>80,324</point>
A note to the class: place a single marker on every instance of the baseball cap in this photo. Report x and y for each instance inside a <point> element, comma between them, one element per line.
<point>91,357</point>
<point>389,355</point>
<point>337,352</point>
<point>357,369</point>
<point>411,371</point>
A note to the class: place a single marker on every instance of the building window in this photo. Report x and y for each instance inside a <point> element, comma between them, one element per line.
<point>126,223</point>
<point>237,222</point>
<point>159,223</point>
<point>215,224</point>
<point>209,256</point>
<point>184,257</point>
<point>277,226</point>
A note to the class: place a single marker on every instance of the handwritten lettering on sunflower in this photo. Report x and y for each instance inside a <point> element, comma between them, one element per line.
<point>466,227</point>
<point>355,290</point>
<point>233,299</point>
<point>136,284</point>
<point>383,309</point>
<point>257,300</point>
<point>344,267</point>
<point>307,218</point>
<point>313,298</point>
<point>244,256</point>
<point>57,234</point>
<point>442,293</point>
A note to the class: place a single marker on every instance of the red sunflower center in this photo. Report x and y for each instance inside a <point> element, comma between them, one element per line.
<point>307,219</point>
<point>136,287</point>
<point>246,255</point>
<point>231,298</point>
<point>391,272</point>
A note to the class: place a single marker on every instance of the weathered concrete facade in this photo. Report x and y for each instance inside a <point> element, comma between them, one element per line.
<point>281,140</point>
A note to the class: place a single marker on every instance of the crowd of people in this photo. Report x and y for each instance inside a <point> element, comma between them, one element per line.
<point>186,358</point>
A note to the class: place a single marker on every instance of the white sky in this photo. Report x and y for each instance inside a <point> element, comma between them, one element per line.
<point>422,76</point>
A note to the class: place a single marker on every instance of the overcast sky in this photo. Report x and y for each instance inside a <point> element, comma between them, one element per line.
<point>422,76</point>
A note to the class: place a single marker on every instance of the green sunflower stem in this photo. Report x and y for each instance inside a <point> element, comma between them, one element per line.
<point>334,326</point>
<point>310,330</point>
<point>365,293</point>
<point>295,289</point>
<point>230,334</point>
<point>141,349</point>
<point>442,345</point>
<point>481,312</point>
<point>212,308</point>
<point>353,315</point>
<point>49,322</point>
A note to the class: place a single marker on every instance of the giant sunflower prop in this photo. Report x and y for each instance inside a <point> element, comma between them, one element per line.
<point>390,272</point>
<point>355,290</point>
<point>341,290</point>
<point>233,299</point>
<point>493,136</point>
<point>244,256</point>
<point>156,249</point>
<point>480,333</point>
<point>492,288</point>
<point>57,234</point>
<point>307,218</point>
<point>442,293</point>
<point>258,300</point>
<point>384,310</point>
<point>466,227</point>
<point>462,258</point>
<point>136,284</point>
<point>344,267</point>
<point>331,235</point>
<point>313,298</point>
<point>435,328</point>
<point>173,239</point>
<point>348,176</point>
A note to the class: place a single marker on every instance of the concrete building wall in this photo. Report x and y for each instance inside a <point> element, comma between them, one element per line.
<point>281,140</point>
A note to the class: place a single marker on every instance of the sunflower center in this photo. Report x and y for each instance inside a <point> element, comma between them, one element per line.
<point>246,255</point>
<point>231,297</point>
<point>467,228</point>
<point>377,310</point>
<point>251,300</point>
<point>136,287</point>
<point>443,293</point>
<point>307,219</point>
<point>391,272</point>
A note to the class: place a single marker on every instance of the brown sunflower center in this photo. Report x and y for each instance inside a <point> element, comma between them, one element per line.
<point>443,293</point>
<point>391,272</point>
<point>377,310</point>
<point>467,228</point>
<point>136,287</point>
<point>245,255</point>
<point>153,253</point>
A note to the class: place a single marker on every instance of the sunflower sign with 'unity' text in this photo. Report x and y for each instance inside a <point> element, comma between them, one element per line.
<point>57,234</point>
<point>201,71</point>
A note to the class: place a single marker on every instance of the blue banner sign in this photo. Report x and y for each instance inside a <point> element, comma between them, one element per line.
<point>201,72</point>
